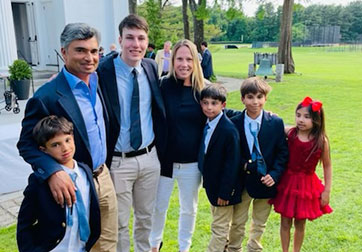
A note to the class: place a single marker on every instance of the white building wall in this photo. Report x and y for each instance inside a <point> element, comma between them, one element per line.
<point>50,17</point>
<point>7,36</point>
<point>105,16</point>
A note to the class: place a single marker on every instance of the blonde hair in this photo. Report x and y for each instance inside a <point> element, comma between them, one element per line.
<point>197,77</point>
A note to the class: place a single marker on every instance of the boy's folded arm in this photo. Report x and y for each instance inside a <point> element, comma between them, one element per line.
<point>231,112</point>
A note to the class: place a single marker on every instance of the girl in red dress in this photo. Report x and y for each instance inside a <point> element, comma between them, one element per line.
<point>301,194</point>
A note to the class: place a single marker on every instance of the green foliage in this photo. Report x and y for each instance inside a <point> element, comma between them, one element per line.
<point>202,12</point>
<point>20,70</point>
<point>153,17</point>
<point>299,32</point>
<point>233,13</point>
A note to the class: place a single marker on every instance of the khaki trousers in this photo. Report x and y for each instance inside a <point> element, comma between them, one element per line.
<point>135,181</point>
<point>220,226</point>
<point>107,241</point>
<point>260,214</point>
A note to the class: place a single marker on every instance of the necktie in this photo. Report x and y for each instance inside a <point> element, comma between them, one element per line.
<point>83,224</point>
<point>256,153</point>
<point>202,148</point>
<point>135,131</point>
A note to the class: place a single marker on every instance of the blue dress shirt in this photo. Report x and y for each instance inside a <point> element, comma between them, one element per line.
<point>124,78</point>
<point>91,107</point>
<point>249,136</point>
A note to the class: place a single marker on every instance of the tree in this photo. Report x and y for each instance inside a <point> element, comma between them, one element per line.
<point>285,44</point>
<point>185,19</point>
<point>199,12</point>
<point>153,17</point>
<point>132,6</point>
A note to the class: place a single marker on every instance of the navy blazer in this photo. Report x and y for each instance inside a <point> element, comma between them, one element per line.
<point>222,169</point>
<point>108,85</point>
<point>42,222</point>
<point>206,63</point>
<point>54,98</point>
<point>274,148</point>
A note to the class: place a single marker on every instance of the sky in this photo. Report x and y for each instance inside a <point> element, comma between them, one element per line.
<point>249,6</point>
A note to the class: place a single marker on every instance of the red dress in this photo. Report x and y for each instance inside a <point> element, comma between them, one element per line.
<point>300,188</point>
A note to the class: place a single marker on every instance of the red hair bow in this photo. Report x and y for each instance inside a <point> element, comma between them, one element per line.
<point>316,105</point>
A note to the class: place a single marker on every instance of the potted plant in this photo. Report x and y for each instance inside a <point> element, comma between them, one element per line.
<point>20,75</point>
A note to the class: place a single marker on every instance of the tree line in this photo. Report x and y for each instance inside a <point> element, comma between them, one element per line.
<point>220,24</point>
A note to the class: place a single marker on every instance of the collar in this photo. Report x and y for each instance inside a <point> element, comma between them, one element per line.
<point>74,80</point>
<point>125,67</point>
<point>68,170</point>
<point>215,121</point>
<point>258,119</point>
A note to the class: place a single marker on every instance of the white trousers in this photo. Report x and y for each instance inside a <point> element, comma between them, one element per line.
<point>135,181</point>
<point>188,179</point>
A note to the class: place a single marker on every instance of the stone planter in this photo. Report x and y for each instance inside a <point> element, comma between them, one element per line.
<point>21,88</point>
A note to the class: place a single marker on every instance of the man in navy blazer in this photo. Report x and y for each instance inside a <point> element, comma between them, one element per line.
<point>135,170</point>
<point>206,62</point>
<point>73,95</point>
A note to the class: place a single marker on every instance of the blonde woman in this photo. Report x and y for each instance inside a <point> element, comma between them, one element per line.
<point>185,122</point>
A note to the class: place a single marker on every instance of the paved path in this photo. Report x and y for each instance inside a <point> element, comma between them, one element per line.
<point>10,202</point>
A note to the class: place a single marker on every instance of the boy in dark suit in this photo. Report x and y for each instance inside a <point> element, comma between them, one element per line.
<point>264,154</point>
<point>44,225</point>
<point>219,163</point>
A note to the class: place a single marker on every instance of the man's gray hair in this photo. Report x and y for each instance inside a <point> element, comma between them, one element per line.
<point>78,31</point>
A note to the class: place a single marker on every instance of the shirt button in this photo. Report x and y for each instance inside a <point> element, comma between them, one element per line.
<point>250,161</point>
<point>247,172</point>
<point>57,241</point>
<point>63,224</point>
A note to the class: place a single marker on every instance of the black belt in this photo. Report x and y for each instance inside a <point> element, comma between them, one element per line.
<point>98,171</point>
<point>135,153</point>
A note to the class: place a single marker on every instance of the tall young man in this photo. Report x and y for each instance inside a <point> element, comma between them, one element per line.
<point>136,137</point>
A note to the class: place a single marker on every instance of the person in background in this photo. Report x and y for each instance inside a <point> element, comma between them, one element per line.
<point>112,50</point>
<point>101,52</point>
<point>206,62</point>
<point>150,51</point>
<point>163,59</point>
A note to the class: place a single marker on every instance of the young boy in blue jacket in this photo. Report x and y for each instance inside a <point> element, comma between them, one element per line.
<point>219,163</point>
<point>44,225</point>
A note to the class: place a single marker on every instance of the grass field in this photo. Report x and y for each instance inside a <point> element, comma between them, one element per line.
<point>335,79</point>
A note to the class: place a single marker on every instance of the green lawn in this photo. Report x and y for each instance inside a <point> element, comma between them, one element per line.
<point>333,78</point>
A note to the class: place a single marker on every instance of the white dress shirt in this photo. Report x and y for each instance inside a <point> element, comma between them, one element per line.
<point>210,131</point>
<point>249,136</point>
<point>71,240</point>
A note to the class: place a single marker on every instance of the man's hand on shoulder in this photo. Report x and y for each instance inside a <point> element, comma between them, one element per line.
<point>62,188</point>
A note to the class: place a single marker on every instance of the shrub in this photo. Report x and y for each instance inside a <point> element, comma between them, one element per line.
<point>20,70</point>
